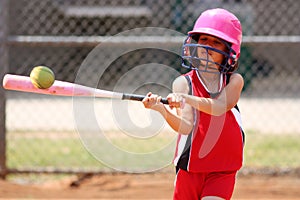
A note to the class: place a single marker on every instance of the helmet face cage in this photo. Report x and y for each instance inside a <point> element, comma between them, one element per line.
<point>190,56</point>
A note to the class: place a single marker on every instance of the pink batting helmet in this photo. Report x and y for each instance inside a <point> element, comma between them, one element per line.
<point>222,24</point>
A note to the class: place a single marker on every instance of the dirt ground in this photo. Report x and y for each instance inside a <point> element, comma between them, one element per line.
<point>146,186</point>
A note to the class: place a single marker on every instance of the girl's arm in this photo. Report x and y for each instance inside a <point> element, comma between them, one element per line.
<point>227,99</point>
<point>182,120</point>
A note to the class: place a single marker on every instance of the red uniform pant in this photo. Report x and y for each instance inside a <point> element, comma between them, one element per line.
<point>194,186</point>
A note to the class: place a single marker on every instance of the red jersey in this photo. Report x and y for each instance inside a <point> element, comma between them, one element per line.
<point>216,142</point>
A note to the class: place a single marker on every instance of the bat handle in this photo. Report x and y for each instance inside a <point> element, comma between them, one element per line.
<point>137,97</point>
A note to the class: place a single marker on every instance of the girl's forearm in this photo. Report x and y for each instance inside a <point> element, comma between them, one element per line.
<point>176,122</point>
<point>210,106</point>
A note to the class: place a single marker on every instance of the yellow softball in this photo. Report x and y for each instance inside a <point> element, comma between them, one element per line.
<point>42,77</point>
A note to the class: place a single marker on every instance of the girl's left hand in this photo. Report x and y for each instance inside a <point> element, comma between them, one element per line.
<point>176,100</point>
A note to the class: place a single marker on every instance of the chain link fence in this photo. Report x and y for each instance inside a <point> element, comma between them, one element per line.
<point>105,44</point>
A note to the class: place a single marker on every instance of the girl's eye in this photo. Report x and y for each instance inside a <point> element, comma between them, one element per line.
<point>202,40</point>
<point>217,42</point>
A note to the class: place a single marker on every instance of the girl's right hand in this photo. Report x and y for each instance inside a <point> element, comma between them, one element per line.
<point>152,101</point>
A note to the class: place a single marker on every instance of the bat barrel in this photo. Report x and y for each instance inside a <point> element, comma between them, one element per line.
<point>62,88</point>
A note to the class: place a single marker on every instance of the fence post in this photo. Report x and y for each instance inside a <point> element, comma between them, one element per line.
<point>3,69</point>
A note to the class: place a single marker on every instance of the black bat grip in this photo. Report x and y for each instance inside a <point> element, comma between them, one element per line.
<point>137,97</point>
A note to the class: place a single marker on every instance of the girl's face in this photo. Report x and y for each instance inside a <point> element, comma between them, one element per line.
<point>212,55</point>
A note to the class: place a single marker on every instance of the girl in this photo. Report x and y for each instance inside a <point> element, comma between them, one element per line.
<point>209,149</point>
